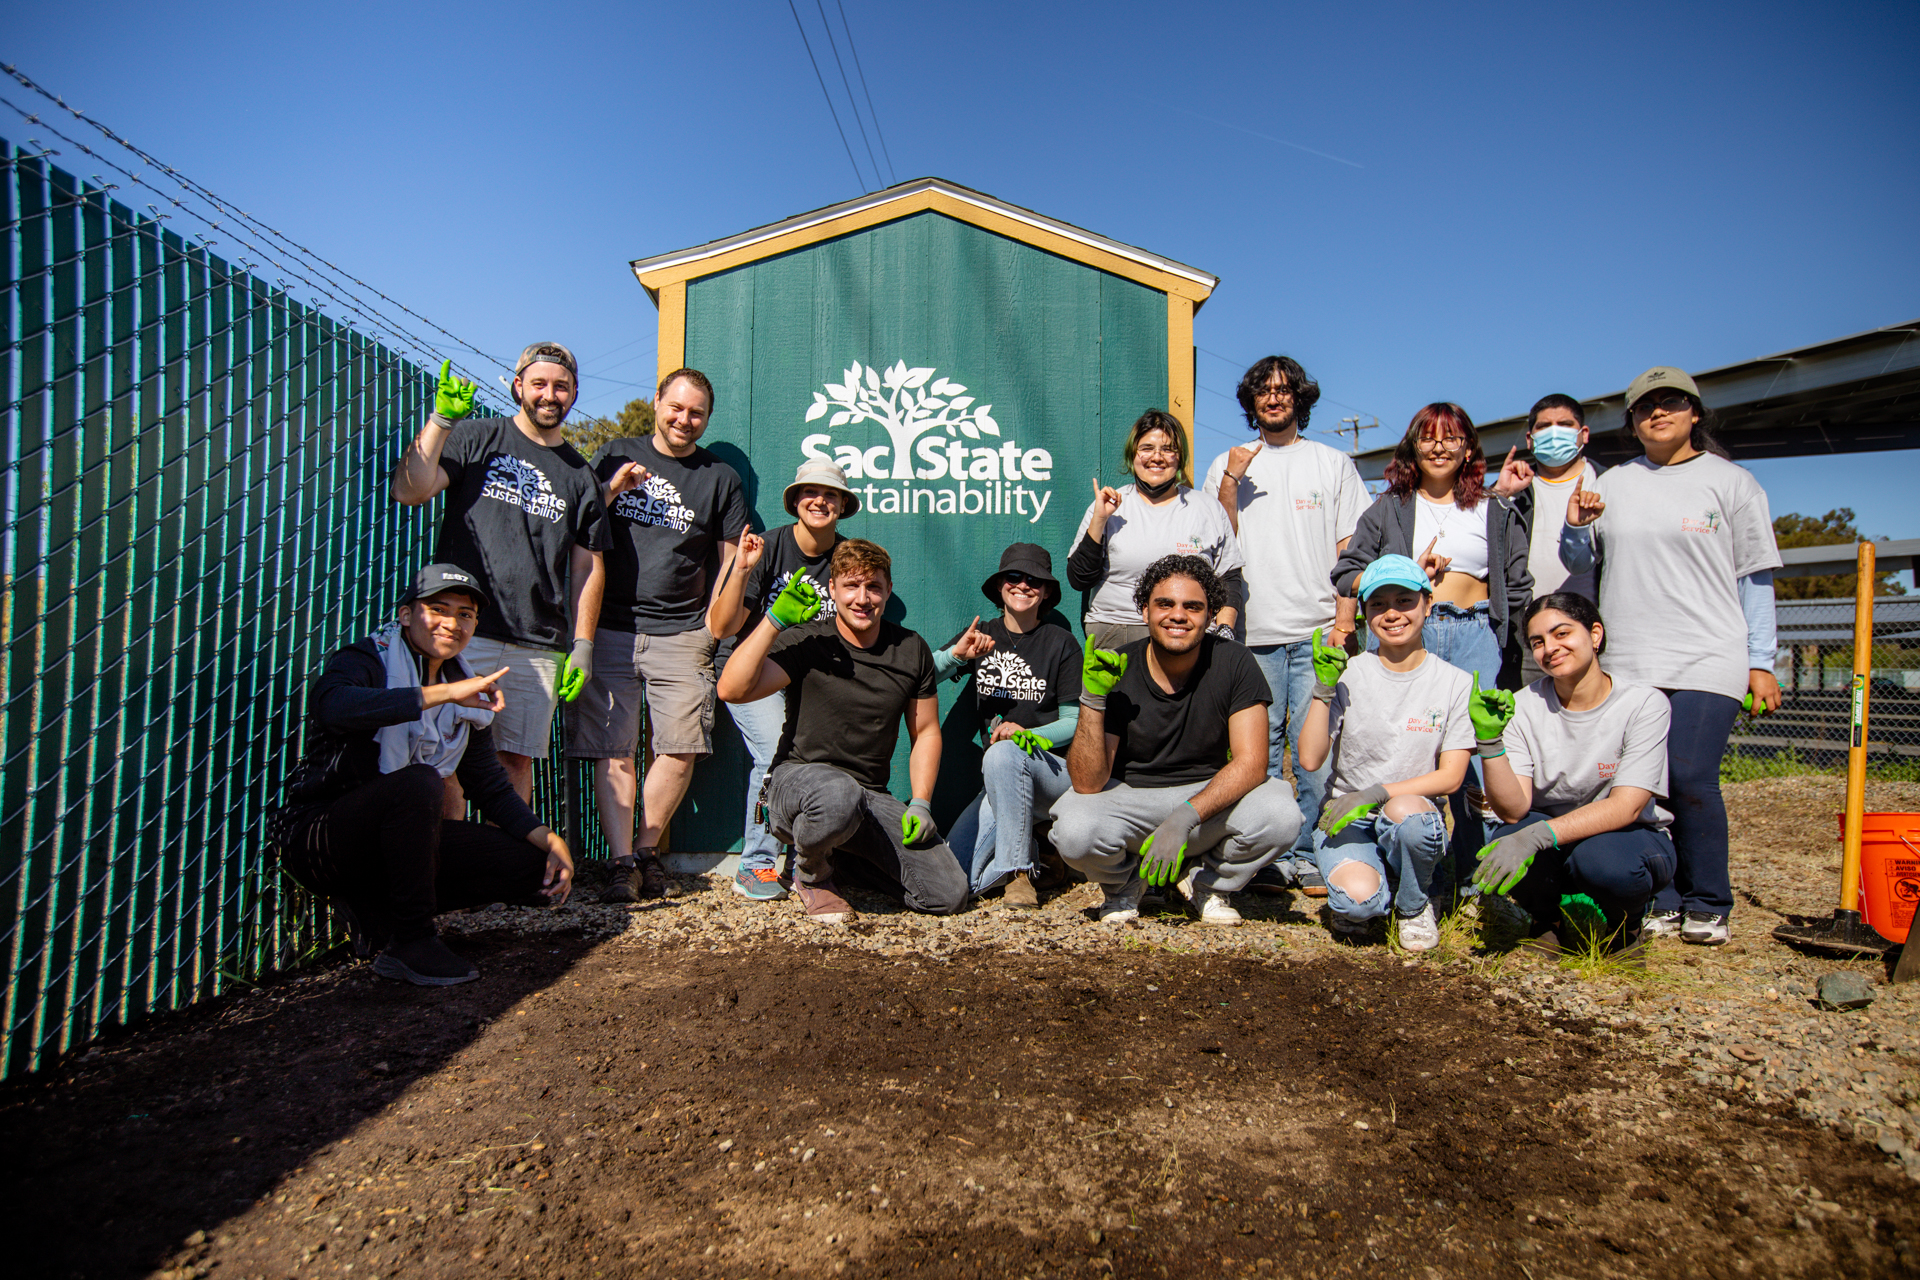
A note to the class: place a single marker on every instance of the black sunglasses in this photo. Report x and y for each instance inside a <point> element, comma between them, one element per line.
<point>1014,577</point>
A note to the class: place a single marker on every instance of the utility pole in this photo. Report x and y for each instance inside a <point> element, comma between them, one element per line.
<point>1352,429</point>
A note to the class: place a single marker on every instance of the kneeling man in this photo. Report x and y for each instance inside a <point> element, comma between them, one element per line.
<point>850,680</point>
<point>389,721</point>
<point>1169,760</point>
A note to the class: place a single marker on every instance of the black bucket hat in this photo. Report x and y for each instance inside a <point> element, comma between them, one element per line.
<point>1030,560</point>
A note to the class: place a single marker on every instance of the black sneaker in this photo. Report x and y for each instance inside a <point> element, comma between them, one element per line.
<point>625,885</point>
<point>652,882</point>
<point>1270,881</point>
<point>425,961</point>
<point>1312,883</point>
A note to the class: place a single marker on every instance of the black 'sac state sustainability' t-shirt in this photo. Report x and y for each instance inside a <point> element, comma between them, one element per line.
<point>1027,676</point>
<point>845,703</point>
<point>663,534</point>
<point>1172,739</point>
<point>515,509</point>
<point>778,563</point>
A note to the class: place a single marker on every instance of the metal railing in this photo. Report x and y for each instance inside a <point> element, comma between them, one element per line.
<point>196,516</point>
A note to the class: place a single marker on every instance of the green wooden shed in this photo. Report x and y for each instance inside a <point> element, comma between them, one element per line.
<point>970,364</point>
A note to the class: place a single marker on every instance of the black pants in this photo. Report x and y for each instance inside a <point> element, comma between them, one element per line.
<point>384,850</point>
<point>1620,870</point>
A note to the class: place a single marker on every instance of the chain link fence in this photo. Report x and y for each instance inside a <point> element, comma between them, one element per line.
<point>1814,664</point>
<point>196,516</point>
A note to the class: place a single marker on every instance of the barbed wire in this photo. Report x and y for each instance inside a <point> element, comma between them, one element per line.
<point>228,209</point>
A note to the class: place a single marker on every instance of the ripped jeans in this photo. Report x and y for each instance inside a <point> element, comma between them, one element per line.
<point>1403,854</point>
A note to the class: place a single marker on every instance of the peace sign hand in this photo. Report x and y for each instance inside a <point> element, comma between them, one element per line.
<point>1585,506</point>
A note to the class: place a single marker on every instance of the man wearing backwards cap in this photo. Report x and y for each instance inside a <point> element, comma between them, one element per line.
<point>392,721</point>
<point>1396,726</point>
<point>818,499</point>
<point>675,509</point>
<point>524,512</point>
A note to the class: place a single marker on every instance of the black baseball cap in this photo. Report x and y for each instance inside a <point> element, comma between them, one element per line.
<point>436,578</point>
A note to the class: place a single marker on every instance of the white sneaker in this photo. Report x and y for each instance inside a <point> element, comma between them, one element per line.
<point>1210,905</point>
<point>1662,924</point>
<point>1121,902</point>
<point>1421,932</point>
<point>1705,929</point>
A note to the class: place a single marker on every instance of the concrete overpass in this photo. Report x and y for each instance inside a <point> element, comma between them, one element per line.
<point>1858,394</point>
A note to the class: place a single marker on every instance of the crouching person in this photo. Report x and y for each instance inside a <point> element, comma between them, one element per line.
<point>1395,726</point>
<point>1169,758</point>
<point>850,680</point>
<point>391,719</point>
<point>1572,767</point>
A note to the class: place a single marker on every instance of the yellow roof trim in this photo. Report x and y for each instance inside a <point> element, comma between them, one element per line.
<point>919,196</point>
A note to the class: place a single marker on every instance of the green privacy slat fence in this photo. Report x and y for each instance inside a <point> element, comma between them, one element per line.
<point>196,516</point>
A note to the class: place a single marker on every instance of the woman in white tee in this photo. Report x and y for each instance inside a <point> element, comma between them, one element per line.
<point>1682,541</point>
<point>1574,778</point>
<point>1127,529</point>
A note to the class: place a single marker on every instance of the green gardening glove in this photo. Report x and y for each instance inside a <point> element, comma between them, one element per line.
<point>1584,919</point>
<point>1162,851</point>
<point>575,670</point>
<point>1100,670</point>
<point>1489,709</point>
<point>1029,741</point>
<point>1504,863</point>
<point>916,824</point>
<point>1355,804</point>
<point>1329,663</point>
<point>798,602</point>
<point>453,397</point>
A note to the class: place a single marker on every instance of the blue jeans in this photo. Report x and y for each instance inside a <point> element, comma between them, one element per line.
<point>1695,743</point>
<point>994,836</point>
<point>1402,854</point>
<point>1619,870</point>
<point>1464,638</point>
<point>761,724</point>
<point>1289,672</point>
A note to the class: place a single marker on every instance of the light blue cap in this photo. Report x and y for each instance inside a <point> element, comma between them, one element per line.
<point>1393,571</point>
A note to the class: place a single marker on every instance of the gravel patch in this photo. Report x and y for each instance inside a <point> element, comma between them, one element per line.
<point>1743,1020</point>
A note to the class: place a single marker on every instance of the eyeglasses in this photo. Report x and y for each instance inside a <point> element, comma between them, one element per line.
<point>1285,393</point>
<point>1675,402</point>
<point>1015,578</point>
<point>1427,441</point>
<point>1155,451</point>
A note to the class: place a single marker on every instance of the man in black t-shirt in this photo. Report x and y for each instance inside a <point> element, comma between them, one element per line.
<point>673,508</point>
<point>818,499</point>
<point>1169,760</point>
<point>525,515</point>
<point>850,681</point>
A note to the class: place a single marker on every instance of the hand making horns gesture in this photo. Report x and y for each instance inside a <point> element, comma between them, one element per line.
<point>1584,506</point>
<point>1106,501</point>
<point>973,643</point>
<point>1434,566</point>
<point>1514,476</point>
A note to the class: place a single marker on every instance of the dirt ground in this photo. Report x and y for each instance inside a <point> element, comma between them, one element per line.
<point>717,1093</point>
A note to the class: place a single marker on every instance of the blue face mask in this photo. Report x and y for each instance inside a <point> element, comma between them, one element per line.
<point>1556,446</point>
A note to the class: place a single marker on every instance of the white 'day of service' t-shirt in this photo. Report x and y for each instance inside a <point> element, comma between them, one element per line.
<point>1297,503</point>
<point>1575,757</point>
<point>1388,726</point>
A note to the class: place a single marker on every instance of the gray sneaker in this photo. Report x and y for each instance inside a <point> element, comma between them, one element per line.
<point>1662,924</point>
<point>1705,929</point>
<point>1121,903</point>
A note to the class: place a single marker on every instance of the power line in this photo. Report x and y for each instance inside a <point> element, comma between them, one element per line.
<point>227,209</point>
<point>857,176</point>
<point>861,72</point>
<point>835,46</point>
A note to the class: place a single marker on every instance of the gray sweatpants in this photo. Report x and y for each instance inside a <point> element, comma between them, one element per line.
<point>1100,834</point>
<point>821,810</point>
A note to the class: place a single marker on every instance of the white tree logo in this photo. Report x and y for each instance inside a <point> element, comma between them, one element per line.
<point>901,400</point>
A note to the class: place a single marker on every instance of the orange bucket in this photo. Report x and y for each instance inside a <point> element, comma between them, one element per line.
<point>1889,871</point>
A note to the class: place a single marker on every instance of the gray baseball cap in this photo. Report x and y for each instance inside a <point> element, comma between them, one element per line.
<point>549,351</point>
<point>1659,378</point>
<point>826,474</point>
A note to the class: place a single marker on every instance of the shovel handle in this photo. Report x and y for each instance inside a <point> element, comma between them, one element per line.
<point>1857,732</point>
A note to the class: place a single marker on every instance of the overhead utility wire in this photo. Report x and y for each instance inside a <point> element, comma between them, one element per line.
<point>845,84</point>
<point>857,175</point>
<point>861,72</point>
<point>226,208</point>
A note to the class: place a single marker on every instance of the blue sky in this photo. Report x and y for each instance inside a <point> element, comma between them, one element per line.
<point>1418,202</point>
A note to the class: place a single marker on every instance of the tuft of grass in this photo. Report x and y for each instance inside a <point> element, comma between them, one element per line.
<point>1788,762</point>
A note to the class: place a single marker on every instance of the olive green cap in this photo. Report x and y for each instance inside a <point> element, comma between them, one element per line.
<point>1658,378</point>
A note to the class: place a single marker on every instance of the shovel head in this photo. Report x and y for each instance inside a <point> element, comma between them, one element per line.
<point>1846,933</point>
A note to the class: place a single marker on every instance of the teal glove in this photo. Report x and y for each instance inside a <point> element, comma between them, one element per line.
<point>1355,804</point>
<point>798,602</point>
<point>1029,741</point>
<point>1753,708</point>
<point>575,670</point>
<point>1504,863</point>
<point>1329,662</point>
<point>1490,710</point>
<point>1170,839</point>
<point>1100,670</point>
<point>453,397</point>
<point>916,824</point>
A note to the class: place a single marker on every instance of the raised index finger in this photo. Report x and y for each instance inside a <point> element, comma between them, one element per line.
<point>1430,547</point>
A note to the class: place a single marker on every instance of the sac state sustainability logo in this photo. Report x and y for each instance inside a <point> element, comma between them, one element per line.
<point>935,432</point>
